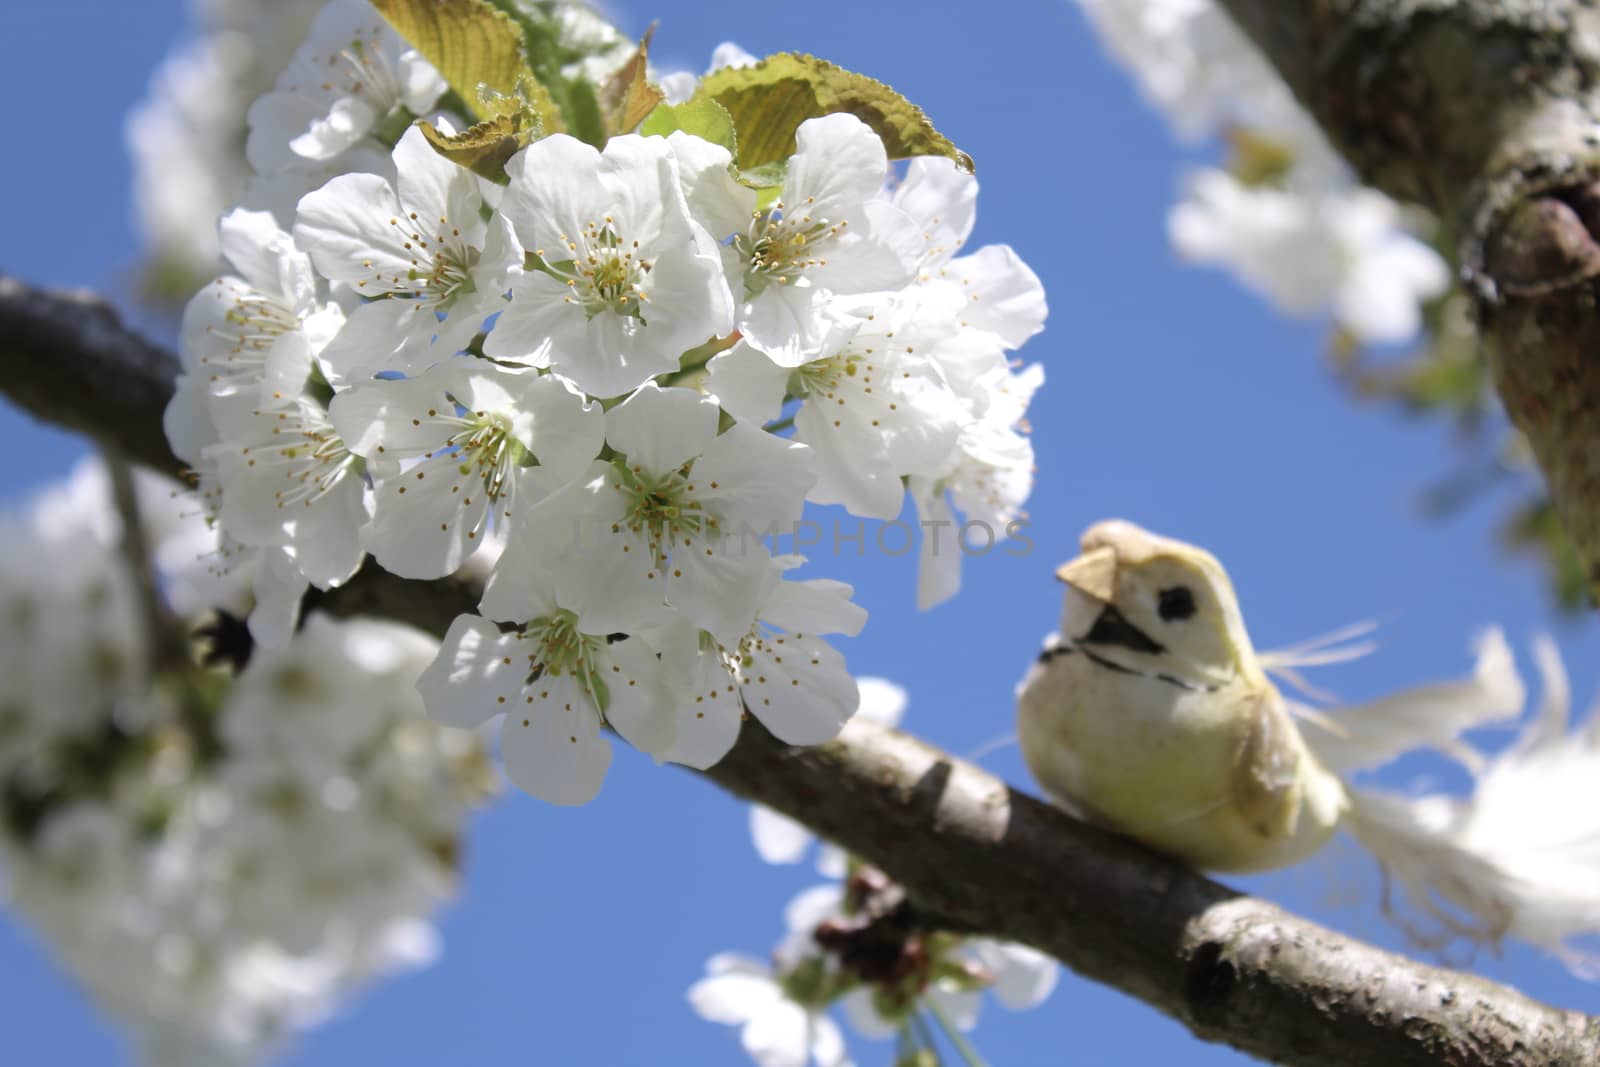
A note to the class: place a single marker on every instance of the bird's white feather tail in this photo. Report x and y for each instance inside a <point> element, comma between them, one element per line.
<point>1430,716</point>
<point>1520,856</point>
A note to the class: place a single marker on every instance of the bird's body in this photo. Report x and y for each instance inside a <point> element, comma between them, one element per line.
<point>1150,714</point>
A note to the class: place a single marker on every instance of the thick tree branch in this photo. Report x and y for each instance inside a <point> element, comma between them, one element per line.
<point>975,854</point>
<point>1488,113</point>
<point>65,357</point>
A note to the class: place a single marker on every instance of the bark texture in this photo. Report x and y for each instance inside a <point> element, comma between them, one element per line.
<point>1488,113</point>
<point>974,854</point>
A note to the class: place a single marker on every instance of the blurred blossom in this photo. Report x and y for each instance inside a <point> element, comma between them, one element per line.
<point>219,862</point>
<point>1286,216</point>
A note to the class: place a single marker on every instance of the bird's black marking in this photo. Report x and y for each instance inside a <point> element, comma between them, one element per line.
<point>1175,604</point>
<point>1098,660</point>
<point>1113,630</point>
<point>1111,665</point>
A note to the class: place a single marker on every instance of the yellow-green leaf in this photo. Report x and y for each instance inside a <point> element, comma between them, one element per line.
<point>485,148</point>
<point>627,96</point>
<point>770,100</point>
<point>706,119</point>
<point>473,44</point>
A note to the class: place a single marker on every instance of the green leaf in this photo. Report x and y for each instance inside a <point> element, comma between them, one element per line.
<point>706,119</point>
<point>514,122</point>
<point>770,100</point>
<point>476,47</point>
<point>485,148</point>
<point>531,103</point>
<point>628,96</point>
<point>552,42</point>
<point>581,107</point>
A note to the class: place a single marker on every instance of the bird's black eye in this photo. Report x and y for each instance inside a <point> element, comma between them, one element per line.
<point>1175,604</point>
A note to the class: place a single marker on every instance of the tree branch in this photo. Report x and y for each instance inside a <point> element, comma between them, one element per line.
<point>1488,113</point>
<point>975,854</point>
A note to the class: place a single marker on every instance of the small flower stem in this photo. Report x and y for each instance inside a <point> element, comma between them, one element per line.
<point>969,1055</point>
<point>167,646</point>
<point>905,1045</point>
<point>924,1037</point>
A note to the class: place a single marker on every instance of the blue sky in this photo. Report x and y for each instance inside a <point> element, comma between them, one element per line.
<point>1173,398</point>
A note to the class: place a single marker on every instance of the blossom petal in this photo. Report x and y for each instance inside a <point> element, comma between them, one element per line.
<point>1005,296</point>
<point>882,701</point>
<point>736,994</point>
<point>779,1036</point>
<point>552,745</point>
<point>355,231</point>
<point>660,429</point>
<point>1023,977</point>
<point>706,701</point>
<point>799,688</point>
<point>748,385</point>
<point>863,1015</point>
<point>778,838</point>
<point>635,708</point>
<point>750,472</point>
<point>816,606</point>
<point>439,194</point>
<point>477,674</point>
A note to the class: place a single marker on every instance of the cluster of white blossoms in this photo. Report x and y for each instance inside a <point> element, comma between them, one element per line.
<point>186,138</point>
<point>1290,219</point>
<point>224,123</point>
<point>847,944</point>
<point>626,372</point>
<point>218,861</point>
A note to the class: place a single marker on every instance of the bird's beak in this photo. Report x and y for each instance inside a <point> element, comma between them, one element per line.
<point>1094,573</point>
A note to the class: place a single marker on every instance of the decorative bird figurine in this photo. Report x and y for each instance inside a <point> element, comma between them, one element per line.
<point>1151,713</point>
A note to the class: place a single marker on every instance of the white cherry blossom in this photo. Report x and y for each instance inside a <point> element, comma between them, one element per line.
<point>775,1031</point>
<point>1311,239</point>
<point>450,451</point>
<point>715,198</point>
<point>781,671</point>
<point>873,410</point>
<point>679,516</point>
<point>556,681</point>
<point>186,137</point>
<point>1022,977</point>
<point>212,897</point>
<point>1004,296</point>
<point>830,232</point>
<point>987,476</point>
<point>251,335</point>
<point>1343,250</point>
<point>627,282</point>
<point>1194,63</point>
<point>289,479</point>
<point>351,74</point>
<point>418,250</point>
